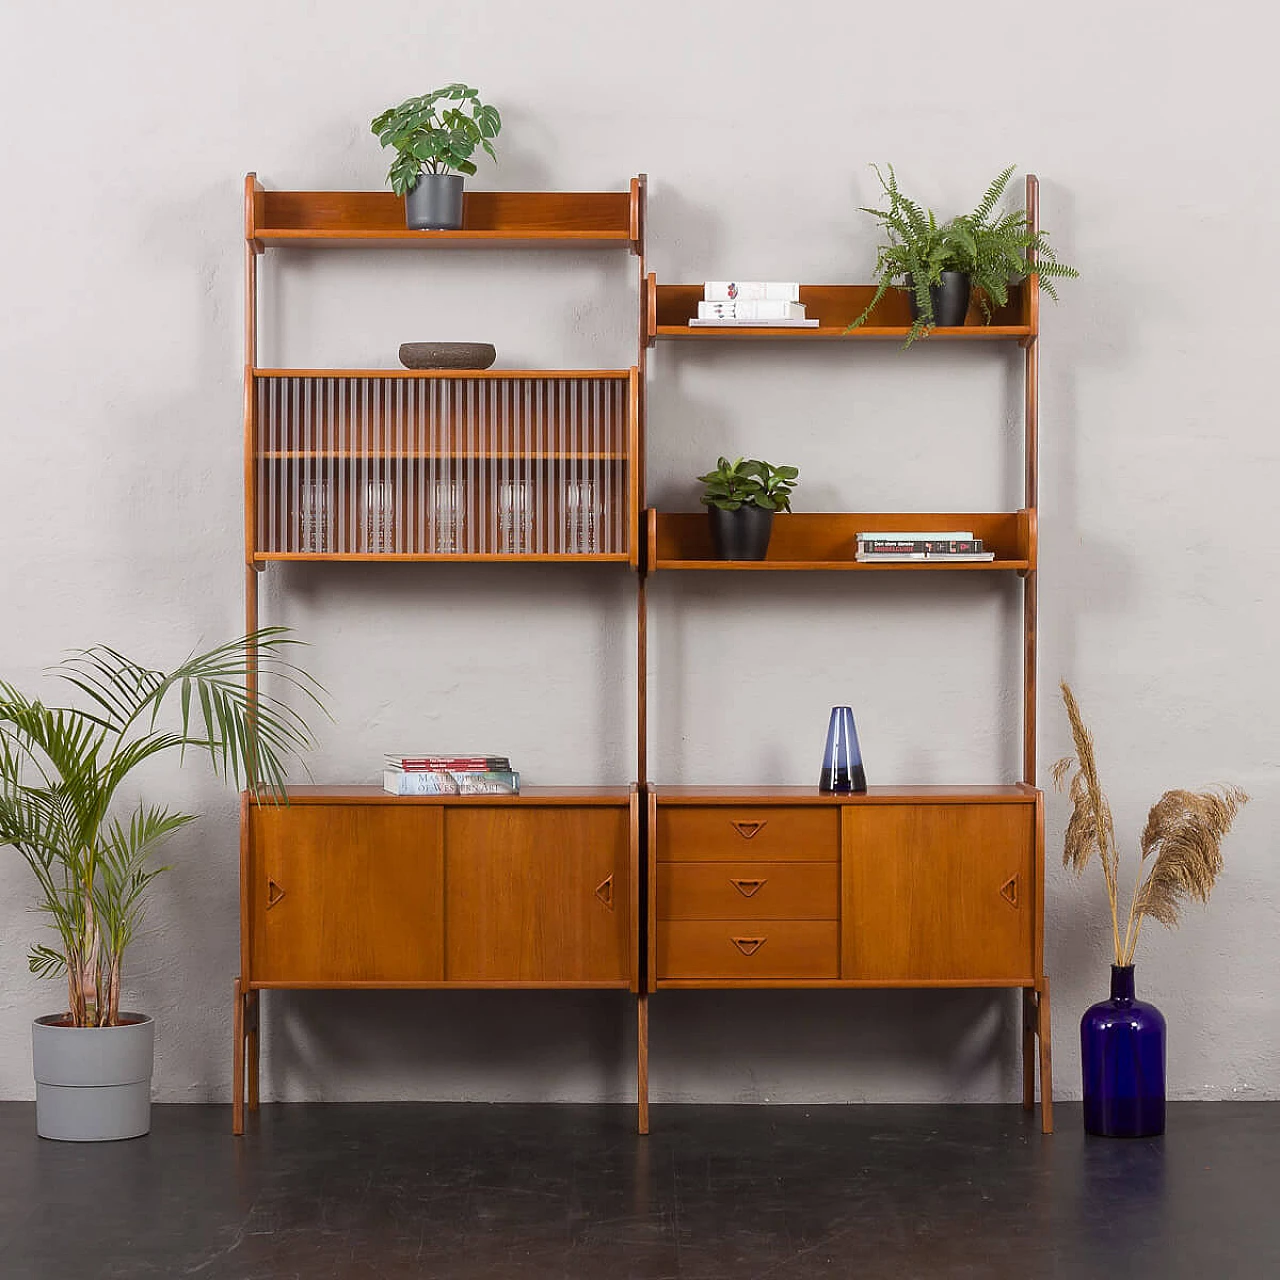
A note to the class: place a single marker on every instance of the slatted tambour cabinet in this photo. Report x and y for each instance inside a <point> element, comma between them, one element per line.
<point>347,887</point>
<point>902,887</point>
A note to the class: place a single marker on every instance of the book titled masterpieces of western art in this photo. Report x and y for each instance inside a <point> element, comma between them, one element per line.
<point>458,774</point>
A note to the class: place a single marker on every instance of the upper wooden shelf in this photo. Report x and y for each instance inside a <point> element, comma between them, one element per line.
<point>670,307</point>
<point>828,540</point>
<point>333,219</point>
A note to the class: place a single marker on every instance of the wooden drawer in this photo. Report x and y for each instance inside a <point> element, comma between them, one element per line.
<point>748,891</point>
<point>727,833</point>
<point>760,949</point>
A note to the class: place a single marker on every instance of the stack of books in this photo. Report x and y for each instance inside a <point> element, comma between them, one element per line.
<point>773,304</point>
<point>930,544</point>
<point>449,775</point>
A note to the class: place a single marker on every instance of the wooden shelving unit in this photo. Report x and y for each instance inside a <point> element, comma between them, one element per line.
<point>783,887</point>
<point>352,888</point>
<point>639,888</point>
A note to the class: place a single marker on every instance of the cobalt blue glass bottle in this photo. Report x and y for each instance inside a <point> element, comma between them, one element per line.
<point>1122,1053</point>
<point>842,761</point>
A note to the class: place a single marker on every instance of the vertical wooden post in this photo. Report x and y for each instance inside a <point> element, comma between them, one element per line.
<point>1029,1023</point>
<point>252,1046</point>
<point>237,1062</point>
<point>1044,1029</point>
<point>1031,496</point>
<point>642,1063</point>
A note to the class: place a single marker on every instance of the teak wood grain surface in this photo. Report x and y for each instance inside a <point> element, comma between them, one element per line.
<point>344,894</point>
<point>938,893</point>
<point>748,891</point>
<point>773,833</point>
<point>538,895</point>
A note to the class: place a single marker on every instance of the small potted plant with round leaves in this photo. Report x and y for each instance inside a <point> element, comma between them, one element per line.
<point>434,137</point>
<point>741,498</point>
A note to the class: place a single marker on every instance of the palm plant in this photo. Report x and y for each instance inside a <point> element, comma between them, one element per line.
<point>62,768</point>
<point>993,251</point>
<point>1181,843</point>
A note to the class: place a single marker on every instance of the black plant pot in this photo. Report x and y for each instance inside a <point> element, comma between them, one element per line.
<point>950,299</point>
<point>742,534</point>
<point>434,203</point>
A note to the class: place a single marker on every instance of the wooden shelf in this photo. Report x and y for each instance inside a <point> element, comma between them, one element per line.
<point>1003,793</point>
<point>338,219</point>
<point>451,375</point>
<point>805,541</point>
<point>456,455</point>
<point>671,306</point>
<point>357,794</point>
<point>447,557</point>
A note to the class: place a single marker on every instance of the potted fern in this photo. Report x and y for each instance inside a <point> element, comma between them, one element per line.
<point>741,498</point>
<point>1122,1040</point>
<point>943,264</point>
<point>64,771</point>
<point>434,137</point>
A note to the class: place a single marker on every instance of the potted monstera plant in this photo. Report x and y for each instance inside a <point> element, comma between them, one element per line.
<point>741,498</point>
<point>68,806</point>
<point>434,137</point>
<point>943,264</point>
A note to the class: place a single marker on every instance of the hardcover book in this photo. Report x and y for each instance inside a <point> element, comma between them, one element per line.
<point>762,310</point>
<point>750,290</point>
<point>454,782</point>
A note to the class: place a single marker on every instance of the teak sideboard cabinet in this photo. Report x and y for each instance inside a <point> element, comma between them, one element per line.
<point>638,887</point>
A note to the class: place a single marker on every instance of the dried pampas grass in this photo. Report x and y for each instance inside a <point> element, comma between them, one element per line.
<point>1181,842</point>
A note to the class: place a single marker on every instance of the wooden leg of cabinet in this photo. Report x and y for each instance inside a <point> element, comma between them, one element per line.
<point>1044,1030</point>
<point>252,999</point>
<point>642,1063</point>
<point>1030,1016</point>
<point>237,1062</point>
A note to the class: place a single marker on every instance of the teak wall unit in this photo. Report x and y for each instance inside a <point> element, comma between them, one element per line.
<point>346,887</point>
<point>903,886</point>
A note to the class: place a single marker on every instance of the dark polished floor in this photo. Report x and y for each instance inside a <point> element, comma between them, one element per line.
<point>321,1192</point>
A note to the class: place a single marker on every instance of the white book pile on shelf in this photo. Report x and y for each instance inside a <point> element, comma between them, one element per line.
<point>899,547</point>
<point>772,304</point>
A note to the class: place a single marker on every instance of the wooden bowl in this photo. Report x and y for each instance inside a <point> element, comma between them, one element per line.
<point>447,355</point>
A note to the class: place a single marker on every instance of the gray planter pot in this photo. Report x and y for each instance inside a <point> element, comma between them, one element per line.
<point>93,1084</point>
<point>434,203</point>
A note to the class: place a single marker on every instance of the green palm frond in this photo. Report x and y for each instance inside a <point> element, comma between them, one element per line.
<point>61,769</point>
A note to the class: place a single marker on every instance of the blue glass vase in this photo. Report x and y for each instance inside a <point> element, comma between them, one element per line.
<point>842,760</point>
<point>1122,1053</point>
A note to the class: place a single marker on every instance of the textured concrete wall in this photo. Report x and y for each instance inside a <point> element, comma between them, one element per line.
<point>129,129</point>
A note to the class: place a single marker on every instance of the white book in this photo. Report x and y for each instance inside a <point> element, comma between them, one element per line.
<point>934,557</point>
<point>749,324</point>
<point>767,309</point>
<point>948,535</point>
<point>750,291</point>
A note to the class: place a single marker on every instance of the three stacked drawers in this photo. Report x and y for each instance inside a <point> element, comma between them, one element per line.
<point>748,892</point>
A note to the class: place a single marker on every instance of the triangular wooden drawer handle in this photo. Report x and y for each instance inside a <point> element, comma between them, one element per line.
<point>274,893</point>
<point>604,891</point>
<point>748,829</point>
<point>748,888</point>
<point>1009,891</point>
<point>748,946</point>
